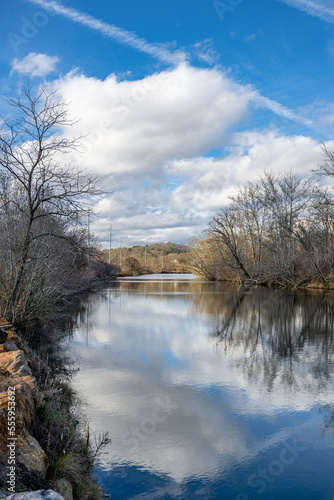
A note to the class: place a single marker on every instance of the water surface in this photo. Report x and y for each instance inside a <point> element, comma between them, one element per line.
<point>209,390</point>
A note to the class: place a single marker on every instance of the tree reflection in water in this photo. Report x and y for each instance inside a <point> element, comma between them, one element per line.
<point>276,338</point>
<point>248,371</point>
<point>275,335</point>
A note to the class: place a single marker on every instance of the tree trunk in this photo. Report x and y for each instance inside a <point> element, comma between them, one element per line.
<point>9,310</point>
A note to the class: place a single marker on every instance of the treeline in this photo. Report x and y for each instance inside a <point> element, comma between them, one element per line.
<point>156,258</point>
<point>278,230</point>
<point>44,203</point>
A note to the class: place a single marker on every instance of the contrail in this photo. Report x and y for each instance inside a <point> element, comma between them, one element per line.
<point>111,31</point>
<point>280,110</point>
<point>158,51</point>
<point>313,8</point>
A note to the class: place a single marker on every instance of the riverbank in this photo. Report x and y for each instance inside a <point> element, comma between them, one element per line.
<point>42,440</point>
<point>303,284</point>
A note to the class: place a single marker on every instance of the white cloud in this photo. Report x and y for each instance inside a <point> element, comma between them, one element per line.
<point>154,214</point>
<point>214,180</point>
<point>322,114</point>
<point>322,10</point>
<point>282,111</point>
<point>204,51</point>
<point>135,127</point>
<point>35,64</point>
<point>160,51</point>
<point>148,138</point>
<point>249,38</point>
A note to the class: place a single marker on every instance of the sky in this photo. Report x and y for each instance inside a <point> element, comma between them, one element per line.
<point>179,102</point>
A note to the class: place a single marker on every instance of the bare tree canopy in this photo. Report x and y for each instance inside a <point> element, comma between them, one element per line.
<point>32,148</point>
<point>327,167</point>
<point>278,230</point>
<point>37,180</point>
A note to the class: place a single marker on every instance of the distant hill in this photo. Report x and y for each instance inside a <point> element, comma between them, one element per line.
<point>155,258</point>
<point>169,247</point>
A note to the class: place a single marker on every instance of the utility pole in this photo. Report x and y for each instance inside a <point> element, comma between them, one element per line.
<point>120,254</point>
<point>145,254</point>
<point>88,236</point>
<point>110,245</point>
<point>162,259</point>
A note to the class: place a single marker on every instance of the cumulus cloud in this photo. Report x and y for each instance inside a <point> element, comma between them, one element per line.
<point>150,141</point>
<point>214,180</point>
<point>135,127</point>
<point>35,64</point>
<point>201,186</point>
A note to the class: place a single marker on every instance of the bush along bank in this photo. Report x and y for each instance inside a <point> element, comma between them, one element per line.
<point>42,443</point>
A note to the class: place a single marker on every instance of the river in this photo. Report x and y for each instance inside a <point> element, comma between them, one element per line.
<point>209,390</point>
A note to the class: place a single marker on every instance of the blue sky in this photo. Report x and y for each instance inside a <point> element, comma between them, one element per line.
<point>180,102</point>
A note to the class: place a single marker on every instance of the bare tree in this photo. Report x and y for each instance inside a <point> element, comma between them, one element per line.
<point>327,167</point>
<point>228,228</point>
<point>204,257</point>
<point>316,235</point>
<point>278,230</point>
<point>286,199</point>
<point>249,201</point>
<point>43,184</point>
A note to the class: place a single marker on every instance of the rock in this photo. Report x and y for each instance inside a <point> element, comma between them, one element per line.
<point>30,454</point>
<point>3,336</point>
<point>14,337</point>
<point>25,395</point>
<point>28,451</point>
<point>29,383</point>
<point>8,346</point>
<point>14,363</point>
<point>64,488</point>
<point>36,495</point>
<point>11,334</point>
<point>16,373</point>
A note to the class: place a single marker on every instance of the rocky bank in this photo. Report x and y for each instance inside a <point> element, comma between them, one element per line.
<point>16,379</point>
